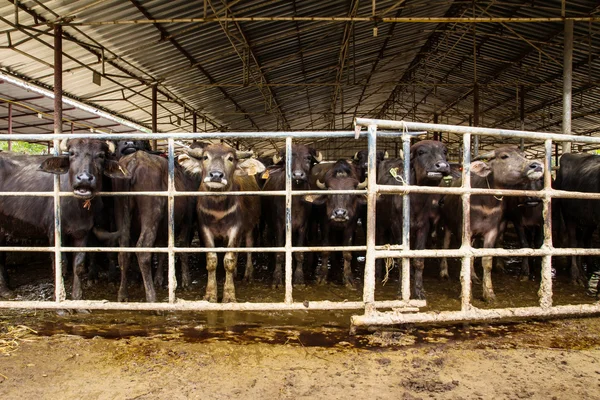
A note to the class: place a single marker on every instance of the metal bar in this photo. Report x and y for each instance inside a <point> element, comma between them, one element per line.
<point>460,130</point>
<point>369,278</point>
<point>545,291</point>
<point>465,270</point>
<point>405,283</point>
<point>381,251</point>
<point>440,20</point>
<point>567,83</point>
<point>288,221</point>
<point>475,314</point>
<point>383,189</point>
<point>396,125</point>
<point>59,285</point>
<point>171,213</point>
<point>182,305</point>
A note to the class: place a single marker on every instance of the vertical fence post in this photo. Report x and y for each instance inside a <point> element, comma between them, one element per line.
<point>545,292</point>
<point>405,284</point>
<point>465,271</point>
<point>171,211</point>
<point>59,285</point>
<point>369,283</point>
<point>288,220</point>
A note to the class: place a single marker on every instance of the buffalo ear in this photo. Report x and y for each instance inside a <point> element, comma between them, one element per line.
<point>480,168</point>
<point>56,165</point>
<point>113,169</point>
<point>192,165</point>
<point>317,199</point>
<point>250,166</point>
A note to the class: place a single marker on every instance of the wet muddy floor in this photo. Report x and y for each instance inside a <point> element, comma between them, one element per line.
<point>295,355</point>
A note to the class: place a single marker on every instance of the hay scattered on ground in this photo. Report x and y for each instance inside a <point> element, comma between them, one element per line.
<point>12,335</point>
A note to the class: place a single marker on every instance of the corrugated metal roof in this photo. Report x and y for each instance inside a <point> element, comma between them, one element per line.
<point>310,75</point>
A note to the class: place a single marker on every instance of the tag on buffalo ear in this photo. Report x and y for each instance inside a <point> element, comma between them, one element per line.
<point>447,178</point>
<point>265,175</point>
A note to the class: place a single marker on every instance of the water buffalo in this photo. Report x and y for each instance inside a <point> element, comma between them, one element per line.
<point>428,165</point>
<point>506,168</point>
<point>340,214</point>
<point>304,159</point>
<point>33,217</point>
<point>229,218</point>
<point>143,219</point>
<point>579,173</point>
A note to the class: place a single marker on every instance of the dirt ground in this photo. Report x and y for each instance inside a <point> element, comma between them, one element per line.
<point>526,360</point>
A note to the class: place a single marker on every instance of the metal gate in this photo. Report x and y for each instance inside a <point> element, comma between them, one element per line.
<point>405,310</point>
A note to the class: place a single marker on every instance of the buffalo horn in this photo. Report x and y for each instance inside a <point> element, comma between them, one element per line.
<point>196,153</point>
<point>111,146</point>
<point>386,155</point>
<point>63,145</point>
<point>276,158</point>
<point>362,185</point>
<point>319,157</point>
<point>240,155</point>
<point>355,156</point>
<point>485,156</point>
<point>321,185</point>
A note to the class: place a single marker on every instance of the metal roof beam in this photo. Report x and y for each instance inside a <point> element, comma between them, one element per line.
<point>252,67</point>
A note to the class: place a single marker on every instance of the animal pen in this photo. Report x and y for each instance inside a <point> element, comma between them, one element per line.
<point>483,24</point>
<point>404,310</point>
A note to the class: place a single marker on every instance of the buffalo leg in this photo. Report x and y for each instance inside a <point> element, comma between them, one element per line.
<point>348,277</point>
<point>211,284</point>
<point>524,244</point>
<point>444,263</point>
<point>159,277</point>
<point>211,266</point>
<point>323,269</point>
<point>4,290</point>
<point>230,263</point>
<point>488,290</point>
<point>299,271</point>
<point>419,263</point>
<point>147,239</point>
<point>78,268</point>
<point>576,276</point>
<point>123,220</point>
<point>249,271</point>
<point>279,257</point>
<point>186,236</point>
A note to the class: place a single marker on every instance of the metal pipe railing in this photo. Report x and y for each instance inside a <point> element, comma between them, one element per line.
<point>373,251</point>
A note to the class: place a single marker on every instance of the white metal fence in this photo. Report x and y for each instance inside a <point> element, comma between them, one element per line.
<point>404,310</point>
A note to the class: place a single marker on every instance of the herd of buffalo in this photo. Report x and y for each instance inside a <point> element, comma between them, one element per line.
<point>89,166</point>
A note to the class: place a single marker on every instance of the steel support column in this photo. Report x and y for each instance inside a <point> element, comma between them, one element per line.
<point>153,143</point>
<point>567,83</point>
<point>9,125</point>
<point>59,289</point>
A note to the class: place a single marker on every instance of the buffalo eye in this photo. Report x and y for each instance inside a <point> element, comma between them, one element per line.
<point>101,156</point>
<point>205,158</point>
<point>421,152</point>
<point>71,153</point>
<point>504,156</point>
<point>230,158</point>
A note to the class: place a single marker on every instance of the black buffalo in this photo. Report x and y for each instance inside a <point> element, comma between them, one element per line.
<point>33,217</point>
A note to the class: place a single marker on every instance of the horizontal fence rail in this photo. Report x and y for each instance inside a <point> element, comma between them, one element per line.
<point>404,310</point>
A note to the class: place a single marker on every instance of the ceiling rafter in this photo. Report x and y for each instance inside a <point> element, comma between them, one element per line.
<point>252,66</point>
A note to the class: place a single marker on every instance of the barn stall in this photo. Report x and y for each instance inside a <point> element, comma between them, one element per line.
<point>472,75</point>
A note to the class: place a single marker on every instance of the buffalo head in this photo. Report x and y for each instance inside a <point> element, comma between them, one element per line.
<point>218,163</point>
<point>86,162</point>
